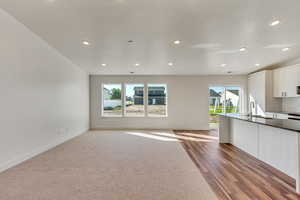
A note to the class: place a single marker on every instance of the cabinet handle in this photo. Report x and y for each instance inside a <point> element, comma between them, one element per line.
<point>284,94</point>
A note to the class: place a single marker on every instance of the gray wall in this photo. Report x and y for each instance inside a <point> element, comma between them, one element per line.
<point>187,101</point>
<point>44,97</point>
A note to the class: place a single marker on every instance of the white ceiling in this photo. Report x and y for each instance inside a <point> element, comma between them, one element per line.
<point>211,33</point>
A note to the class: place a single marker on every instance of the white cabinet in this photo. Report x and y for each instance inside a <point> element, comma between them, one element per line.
<point>244,135</point>
<point>278,148</point>
<point>260,92</point>
<point>285,81</point>
<point>257,91</point>
<point>278,83</point>
<point>292,80</point>
<point>275,146</point>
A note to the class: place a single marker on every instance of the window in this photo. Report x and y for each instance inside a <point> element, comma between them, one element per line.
<point>232,101</point>
<point>223,99</point>
<point>157,100</point>
<point>135,106</point>
<point>112,100</point>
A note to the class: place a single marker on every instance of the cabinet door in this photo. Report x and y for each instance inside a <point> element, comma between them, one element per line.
<point>278,148</point>
<point>278,83</point>
<point>244,135</point>
<point>257,91</point>
<point>285,81</point>
<point>291,80</point>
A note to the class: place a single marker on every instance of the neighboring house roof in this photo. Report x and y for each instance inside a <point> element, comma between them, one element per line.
<point>150,88</point>
<point>236,92</point>
<point>106,93</point>
<point>214,93</point>
<point>106,90</point>
<point>152,91</point>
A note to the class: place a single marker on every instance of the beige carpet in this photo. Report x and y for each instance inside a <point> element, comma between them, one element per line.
<point>109,165</point>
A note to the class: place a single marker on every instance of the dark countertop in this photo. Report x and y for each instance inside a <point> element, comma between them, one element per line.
<point>294,114</point>
<point>287,124</point>
<point>288,113</point>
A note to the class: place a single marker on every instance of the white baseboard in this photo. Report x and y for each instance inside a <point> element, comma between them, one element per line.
<point>26,156</point>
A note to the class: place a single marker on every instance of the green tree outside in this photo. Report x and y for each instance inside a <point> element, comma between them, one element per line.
<point>116,93</point>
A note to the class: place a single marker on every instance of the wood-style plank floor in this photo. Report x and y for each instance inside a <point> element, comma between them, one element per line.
<point>232,173</point>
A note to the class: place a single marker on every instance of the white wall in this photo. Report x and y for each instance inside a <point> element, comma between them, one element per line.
<point>44,97</point>
<point>183,91</point>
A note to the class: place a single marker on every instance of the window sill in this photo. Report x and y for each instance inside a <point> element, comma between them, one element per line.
<point>134,116</point>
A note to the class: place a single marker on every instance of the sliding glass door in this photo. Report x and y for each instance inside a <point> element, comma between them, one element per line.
<point>232,100</point>
<point>223,99</point>
<point>216,100</point>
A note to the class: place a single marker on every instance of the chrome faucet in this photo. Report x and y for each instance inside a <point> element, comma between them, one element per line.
<point>252,106</point>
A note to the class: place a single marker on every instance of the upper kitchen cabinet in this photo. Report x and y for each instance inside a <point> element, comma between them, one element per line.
<point>286,80</point>
<point>260,92</point>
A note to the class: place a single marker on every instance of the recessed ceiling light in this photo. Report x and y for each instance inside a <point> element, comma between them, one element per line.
<point>257,64</point>
<point>103,64</point>
<point>243,49</point>
<point>137,64</point>
<point>274,23</point>
<point>86,43</point>
<point>170,64</point>
<point>223,65</point>
<point>177,42</point>
<point>285,49</point>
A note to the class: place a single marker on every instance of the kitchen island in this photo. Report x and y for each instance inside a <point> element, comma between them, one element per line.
<point>274,141</point>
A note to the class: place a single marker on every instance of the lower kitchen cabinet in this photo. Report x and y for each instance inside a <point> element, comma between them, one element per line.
<point>244,135</point>
<point>275,146</point>
<point>279,148</point>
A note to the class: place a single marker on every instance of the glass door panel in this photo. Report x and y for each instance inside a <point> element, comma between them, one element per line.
<point>232,102</point>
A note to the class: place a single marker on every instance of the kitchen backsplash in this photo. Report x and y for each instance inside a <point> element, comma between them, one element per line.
<point>291,104</point>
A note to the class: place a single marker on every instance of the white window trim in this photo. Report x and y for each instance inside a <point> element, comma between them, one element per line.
<point>102,101</point>
<point>241,102</point>
<point>123,100</point>
<point>124,103</point>
<point>167,95</point>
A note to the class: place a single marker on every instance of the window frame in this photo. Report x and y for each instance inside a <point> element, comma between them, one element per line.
<point>167,95</point>
<point>240,98</point>
<point>102,101</point>
<point>241,95</point>
<point>144,99</point>
<point>123,100</point>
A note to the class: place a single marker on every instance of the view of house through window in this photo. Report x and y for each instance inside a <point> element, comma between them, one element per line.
<point>134,100</point>
<point>112,100</point>
<point>223,100</point>
<point>157,100</point>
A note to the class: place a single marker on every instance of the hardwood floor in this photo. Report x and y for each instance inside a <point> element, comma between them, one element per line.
<point>232,173</point>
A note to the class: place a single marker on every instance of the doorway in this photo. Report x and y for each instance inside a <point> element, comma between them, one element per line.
<point>223,99</point>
